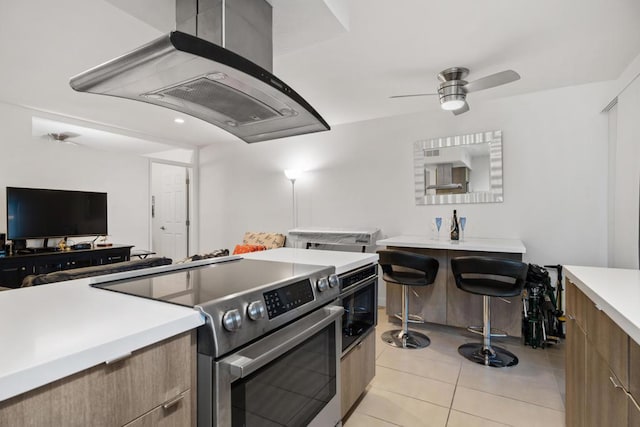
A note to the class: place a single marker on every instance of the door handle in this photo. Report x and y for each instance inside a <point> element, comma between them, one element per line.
<point>244,363</point>
<point>162,228</point>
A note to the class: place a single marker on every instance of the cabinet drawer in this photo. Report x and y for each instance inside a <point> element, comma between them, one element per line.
<point>170,414</point>
<point>577,304</point>
<point>357,369</point>
<point>610,341</point>
<point>576,375</point>
<point>108,394</point>
<point>607,403</point>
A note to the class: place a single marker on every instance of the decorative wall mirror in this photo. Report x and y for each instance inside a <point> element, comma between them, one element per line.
<point>459,169</point>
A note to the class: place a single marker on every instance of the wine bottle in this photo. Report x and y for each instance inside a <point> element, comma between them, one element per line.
<point>455,227</point>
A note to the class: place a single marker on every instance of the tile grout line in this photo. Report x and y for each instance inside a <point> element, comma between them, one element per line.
<point>485,418</point>
<point>418,375</point>
<point>512,398</point>
<point>455,389</point>
<point>378,418</point>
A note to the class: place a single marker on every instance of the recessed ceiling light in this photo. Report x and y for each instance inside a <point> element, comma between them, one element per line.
<point>178,120</point>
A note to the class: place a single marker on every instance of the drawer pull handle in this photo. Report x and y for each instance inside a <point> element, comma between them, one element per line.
<point>173,401</point>
<point>117,359</point>
<point>615,383</point>
<point>633,401</point>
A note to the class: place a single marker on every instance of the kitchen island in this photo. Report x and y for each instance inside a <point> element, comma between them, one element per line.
<point>603,346</point>
<point>97,350</point>
<point>443,302</point>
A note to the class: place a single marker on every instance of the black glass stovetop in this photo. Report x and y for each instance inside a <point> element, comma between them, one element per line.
<point>195,286</point>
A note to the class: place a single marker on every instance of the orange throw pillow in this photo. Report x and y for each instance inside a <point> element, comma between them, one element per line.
<point>243,249</point>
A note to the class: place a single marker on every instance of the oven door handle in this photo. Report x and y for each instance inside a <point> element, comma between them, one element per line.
<point>259,354</point>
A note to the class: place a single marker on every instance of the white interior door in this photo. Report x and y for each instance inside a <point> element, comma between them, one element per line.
<point>169,210</point>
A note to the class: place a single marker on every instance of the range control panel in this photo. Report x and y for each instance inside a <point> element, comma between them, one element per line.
<point>287,298</point>
<point>357,276</point>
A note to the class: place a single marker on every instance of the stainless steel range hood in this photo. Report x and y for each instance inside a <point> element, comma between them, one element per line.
<point>193,72</point>
<point>444,179</point>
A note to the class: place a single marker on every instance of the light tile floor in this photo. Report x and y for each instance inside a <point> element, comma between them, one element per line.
<point>437,387</point>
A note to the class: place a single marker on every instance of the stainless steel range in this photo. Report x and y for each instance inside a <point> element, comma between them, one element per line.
<point>269,352</point>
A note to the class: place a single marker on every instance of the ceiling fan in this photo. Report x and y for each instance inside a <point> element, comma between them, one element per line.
<point>63,137</point>
<point>453,88</point>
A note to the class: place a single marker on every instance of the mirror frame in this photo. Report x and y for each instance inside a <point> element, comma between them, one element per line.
<point>495,193</point>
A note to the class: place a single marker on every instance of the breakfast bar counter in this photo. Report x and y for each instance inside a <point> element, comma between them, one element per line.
<point>443,302</point>
<point>468,244</point>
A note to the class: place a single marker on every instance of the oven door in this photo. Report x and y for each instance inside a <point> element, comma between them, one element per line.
<point>360,305</point>
<point>289,378</point>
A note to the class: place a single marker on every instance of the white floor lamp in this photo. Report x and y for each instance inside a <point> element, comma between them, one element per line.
<point>292,175</point>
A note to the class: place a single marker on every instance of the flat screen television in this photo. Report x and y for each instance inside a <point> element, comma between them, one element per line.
<point>35,213</point>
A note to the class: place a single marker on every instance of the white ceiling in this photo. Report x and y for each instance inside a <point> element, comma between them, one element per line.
<point>345,57</point>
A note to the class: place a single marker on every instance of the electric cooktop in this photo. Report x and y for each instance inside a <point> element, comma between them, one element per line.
<point>195,286</point>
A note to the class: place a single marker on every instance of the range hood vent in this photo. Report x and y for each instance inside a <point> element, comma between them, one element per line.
<point>445,179</point>
<point>194,76</point>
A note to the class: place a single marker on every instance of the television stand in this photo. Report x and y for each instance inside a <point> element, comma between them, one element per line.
<point>43,250</point>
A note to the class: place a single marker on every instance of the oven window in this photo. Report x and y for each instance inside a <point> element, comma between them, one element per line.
<point>292,389</point>
<point>359,314</point>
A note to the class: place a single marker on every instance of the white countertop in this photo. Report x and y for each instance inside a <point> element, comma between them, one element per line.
<point>342,261</point>
<point>615,291</point>
<point>49,332</point>
<point>468,244</point>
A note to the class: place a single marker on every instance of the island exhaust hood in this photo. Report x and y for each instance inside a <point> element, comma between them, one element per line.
<point>208,68</point>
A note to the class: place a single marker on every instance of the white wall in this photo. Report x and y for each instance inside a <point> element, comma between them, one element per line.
<point>39,163</point>
<point>625,159</point>
<point>555,177</point>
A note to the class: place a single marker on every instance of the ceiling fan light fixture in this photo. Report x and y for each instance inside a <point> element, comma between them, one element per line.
<point>453,102</point>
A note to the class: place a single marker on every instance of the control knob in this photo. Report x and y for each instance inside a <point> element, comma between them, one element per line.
<point>256,310</point>
<point>322,284</point>
<point>333,280</point>
<point>232,320</point>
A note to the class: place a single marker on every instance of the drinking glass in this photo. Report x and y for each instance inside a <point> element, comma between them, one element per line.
<point>463,222</point>
<point>438,225</point>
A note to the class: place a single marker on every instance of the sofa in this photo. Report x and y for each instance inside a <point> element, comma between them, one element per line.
<point>259,241</point>
<point>96,270</point>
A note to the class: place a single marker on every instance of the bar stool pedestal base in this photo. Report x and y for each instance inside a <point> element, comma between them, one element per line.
<point>496,357</point>
<point>410,339</point>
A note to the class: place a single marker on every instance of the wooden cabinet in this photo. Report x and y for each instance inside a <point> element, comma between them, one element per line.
<point>117,393</point>
<point>602,367</point>
<point>576,367</point>
<point>443,303</point>
<point>357,369</point>
<point>634,384</point>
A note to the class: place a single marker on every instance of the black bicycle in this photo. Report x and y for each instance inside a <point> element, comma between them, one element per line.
<point>543,319</point>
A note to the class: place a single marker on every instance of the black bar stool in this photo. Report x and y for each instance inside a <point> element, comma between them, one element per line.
<point>489,277</point>
<point>417,270</point>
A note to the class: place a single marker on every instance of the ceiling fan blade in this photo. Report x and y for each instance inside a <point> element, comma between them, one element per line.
<point>461,110</point>
<point>415,94</point>
<point>493,80</point>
